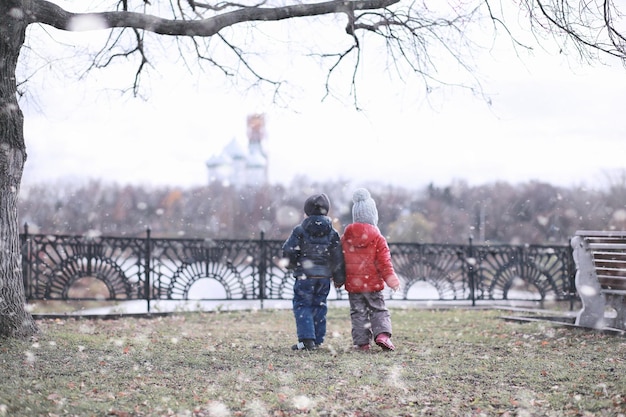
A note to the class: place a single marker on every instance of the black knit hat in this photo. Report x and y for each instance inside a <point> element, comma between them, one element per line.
<point>317,204</point>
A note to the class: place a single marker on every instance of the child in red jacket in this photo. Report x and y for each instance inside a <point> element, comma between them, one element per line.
<point>368,267</point>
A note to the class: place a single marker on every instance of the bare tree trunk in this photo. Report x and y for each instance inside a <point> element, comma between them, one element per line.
<point>15,321</point>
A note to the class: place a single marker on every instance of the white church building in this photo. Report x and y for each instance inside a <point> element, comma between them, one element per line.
<point>238,166</point>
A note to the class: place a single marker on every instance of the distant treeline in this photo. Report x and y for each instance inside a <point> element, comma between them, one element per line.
<point>530,213</point>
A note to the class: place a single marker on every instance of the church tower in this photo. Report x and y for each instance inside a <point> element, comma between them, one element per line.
<point>237,167</point>
<point>256,169</point>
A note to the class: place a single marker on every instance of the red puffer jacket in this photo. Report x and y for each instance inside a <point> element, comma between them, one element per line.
<point>367,259</point>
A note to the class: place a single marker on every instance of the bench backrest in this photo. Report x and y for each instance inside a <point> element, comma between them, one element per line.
<point>608,250</point>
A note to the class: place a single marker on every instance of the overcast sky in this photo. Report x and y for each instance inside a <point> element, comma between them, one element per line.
<point>547,121</point>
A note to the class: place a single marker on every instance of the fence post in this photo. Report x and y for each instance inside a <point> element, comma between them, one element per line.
<point>148,272</point>
<point>571,267</point>
<point>262,268</point>
<point>472,277</point>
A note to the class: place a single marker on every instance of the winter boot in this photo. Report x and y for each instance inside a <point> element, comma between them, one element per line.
<point>305,344</point>
<point>384,341</point>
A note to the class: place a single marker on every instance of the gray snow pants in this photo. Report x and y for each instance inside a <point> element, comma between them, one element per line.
<point>369,315</point>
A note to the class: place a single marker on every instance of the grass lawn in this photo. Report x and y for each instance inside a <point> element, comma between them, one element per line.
<point>453,362</point>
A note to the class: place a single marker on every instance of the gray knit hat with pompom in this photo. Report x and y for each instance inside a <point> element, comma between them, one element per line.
<point>364,208</point>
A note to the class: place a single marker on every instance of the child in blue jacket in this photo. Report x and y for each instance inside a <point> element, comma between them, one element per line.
<point>315,256</point>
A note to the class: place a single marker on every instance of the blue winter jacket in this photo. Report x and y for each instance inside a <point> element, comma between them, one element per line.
<point>314,250</point>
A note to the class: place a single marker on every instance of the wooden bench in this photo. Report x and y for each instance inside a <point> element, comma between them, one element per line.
<point>600,258</point>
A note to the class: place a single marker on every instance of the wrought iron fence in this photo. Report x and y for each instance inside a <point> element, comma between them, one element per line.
<point>59,267</point>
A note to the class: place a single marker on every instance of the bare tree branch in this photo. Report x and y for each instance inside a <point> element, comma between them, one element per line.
<point>411,31</point>
<point>244,61</point>
<point>53,15</point>
<point>592,26</point>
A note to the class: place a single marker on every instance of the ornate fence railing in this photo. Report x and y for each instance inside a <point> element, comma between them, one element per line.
<point>64,267</point>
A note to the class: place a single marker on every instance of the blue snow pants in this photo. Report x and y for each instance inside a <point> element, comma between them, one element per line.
<point>310,308</point>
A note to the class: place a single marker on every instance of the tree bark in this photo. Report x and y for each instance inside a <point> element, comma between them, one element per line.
<point>15,321</point>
